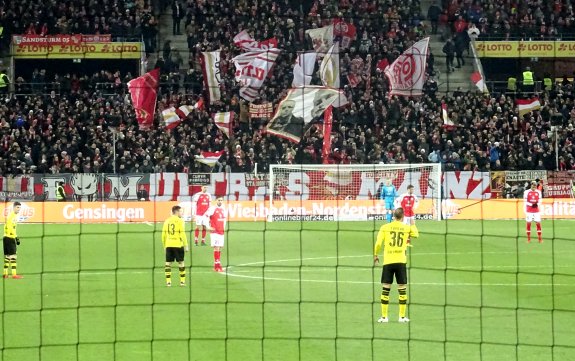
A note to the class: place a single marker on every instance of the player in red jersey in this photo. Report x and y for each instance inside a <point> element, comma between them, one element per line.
<point>409,202</point>
<point>531,200</point>
<point>217,217</point>
<point>200,204</point>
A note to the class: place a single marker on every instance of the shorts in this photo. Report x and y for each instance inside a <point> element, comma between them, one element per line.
<point>9,246</point>
<point>533,217</point>
<point>399,270</point>
<point>216,240</point>
<point>175,254</point>
<point>389,205</point>
<point>409,220</point>
<point>202,221</point>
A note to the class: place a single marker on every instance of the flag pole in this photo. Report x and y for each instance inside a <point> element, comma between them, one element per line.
<point>556,149</point>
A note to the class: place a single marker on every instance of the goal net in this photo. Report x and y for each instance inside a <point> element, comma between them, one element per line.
<point>349,192</point>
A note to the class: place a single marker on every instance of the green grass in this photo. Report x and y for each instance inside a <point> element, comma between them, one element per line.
<point>293,292</point>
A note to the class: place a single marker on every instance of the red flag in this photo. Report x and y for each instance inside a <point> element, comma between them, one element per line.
<point>144,90</point>
<point>327,122</point>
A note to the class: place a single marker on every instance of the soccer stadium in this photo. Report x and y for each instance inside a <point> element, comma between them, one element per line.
<point>290,180</point>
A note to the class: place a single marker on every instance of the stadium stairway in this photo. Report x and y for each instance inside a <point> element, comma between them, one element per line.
<point>179,42</point>
<point>447,82</point>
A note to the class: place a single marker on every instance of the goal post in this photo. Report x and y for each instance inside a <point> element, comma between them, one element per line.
<point>349,192</point>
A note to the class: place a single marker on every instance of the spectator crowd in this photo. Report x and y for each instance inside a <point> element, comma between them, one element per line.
<point>68,127</point>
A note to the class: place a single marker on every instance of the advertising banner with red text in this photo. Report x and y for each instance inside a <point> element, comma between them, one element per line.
<point>82,50</point>
<point>32,39</point>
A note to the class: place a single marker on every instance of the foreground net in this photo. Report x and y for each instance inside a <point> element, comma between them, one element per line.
<point>292,290</point>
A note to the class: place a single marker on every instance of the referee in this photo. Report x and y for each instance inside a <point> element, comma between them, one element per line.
<point>393,238</point>
<point>11,241</point>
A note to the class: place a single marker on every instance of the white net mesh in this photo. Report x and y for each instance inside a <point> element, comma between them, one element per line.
<point>349,192</point>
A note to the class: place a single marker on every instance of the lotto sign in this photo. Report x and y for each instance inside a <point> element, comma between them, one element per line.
<point>125,50</point>
<point>525,49</point>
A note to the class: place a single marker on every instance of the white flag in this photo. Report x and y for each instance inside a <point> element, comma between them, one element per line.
<point>174,116</point>
<point>224,121</point>
<point>322,39</point>
<point>244,41</point>
<point>209,158</point>
<point>303,69</point>
<point>301,108</point>
<point>329,70</point>
<point>407,73</point>
<point>252,68</point>
<point>212,76</point>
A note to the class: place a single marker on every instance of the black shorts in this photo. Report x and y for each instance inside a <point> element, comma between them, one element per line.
<point>9,246</point>
<point>399,270</point>
<point>175,254</point>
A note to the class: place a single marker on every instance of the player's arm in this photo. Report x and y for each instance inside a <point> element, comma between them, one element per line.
<point>413,232</point>
<point>416,202</point>
<point>378,244</point>
<point>164,234</point>
<point>382,192</point>
<point>194,203</point>
<point>398,200</point>
<point>183,236</point>
<point>525,200</point>
<point>208,215</point>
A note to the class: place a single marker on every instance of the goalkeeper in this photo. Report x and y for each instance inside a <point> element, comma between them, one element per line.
<point>388,195</point>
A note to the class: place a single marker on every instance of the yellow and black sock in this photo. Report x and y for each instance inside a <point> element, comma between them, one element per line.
<point>6,265</point>
<point>182,274</point>
<point>402,302</point>
<point>13,267</point>
<point>168,270</point>
<point>384,301</point>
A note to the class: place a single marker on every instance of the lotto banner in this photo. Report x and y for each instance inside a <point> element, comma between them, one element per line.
<point>102,50</point>
<point>525,49</point>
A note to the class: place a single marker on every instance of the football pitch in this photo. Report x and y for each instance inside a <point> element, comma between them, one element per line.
<point>291,291</point>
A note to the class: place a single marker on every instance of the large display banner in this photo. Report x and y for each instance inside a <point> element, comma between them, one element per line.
<point>248,211</point>
<point>525,49</point>
<point>247,186</point>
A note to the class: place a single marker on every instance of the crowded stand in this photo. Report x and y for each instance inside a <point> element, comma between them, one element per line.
<point>61,123</point>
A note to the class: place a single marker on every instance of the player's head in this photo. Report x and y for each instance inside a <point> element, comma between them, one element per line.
<point>204,189</point>
<point>220,201</point>
<point>16,207</point>
<point>410,189</point>
<point>388,182</point>
<point>533,185</point>
<point>177,211</point>
<point>398,214</point>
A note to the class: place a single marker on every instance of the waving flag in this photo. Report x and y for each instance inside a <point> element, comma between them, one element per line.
<point>447,123</point>
<point>407,73</point>
<point>329,70</point>
<point>244,41</point>
<point>321,38</point>
<point>143,91</point>
<point>212,78</point>
<point>209,158</point>
<point>327,124</point>
<point>303,69</point>
<point>224,121</point>
<point>174,116</point>
<point>252,69</point>
<point>526,106</point>
<point>300,109</point>
<point>344,33</point>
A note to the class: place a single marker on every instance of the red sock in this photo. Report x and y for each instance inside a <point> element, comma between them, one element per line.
<point>529,230</point>
<point>203,234</point>
<point>538,230</point>
<point>197,233</point>
<point>217,257</point>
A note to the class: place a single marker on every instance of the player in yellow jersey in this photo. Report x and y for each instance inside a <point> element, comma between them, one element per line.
<point>11,241</point>
<point>393,238</point>
<point>176,244</point>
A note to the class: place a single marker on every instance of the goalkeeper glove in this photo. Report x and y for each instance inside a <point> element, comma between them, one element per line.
<point>17,241</point>
<point>534,205</point>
